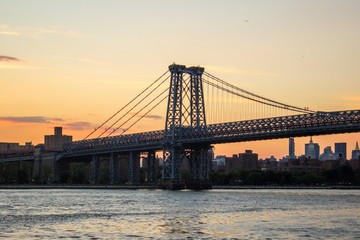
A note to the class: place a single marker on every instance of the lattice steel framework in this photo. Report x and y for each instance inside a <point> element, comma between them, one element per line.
<point>185,109</point>
<point>318,123</point>
<point>173,124</point>
<point>197,106</point>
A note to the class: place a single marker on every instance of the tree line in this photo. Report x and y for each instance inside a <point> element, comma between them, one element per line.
<point>79,173</point>
<point>342,175</point>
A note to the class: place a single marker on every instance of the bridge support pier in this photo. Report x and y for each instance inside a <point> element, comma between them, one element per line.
<point>151,171</point>
<point>95,166</point>
<point>171,175</point>
<point>134,167</point>
<point>113,166</point>
<point>200,165</point>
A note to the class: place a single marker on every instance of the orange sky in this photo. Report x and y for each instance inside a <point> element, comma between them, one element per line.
<point>74,63</point>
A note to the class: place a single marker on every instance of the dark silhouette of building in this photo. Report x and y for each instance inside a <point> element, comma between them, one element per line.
<point>356,152</point>
<point>55,142</point>
<point>312,150</point>
<point>340,150</point>
<point>291,148</point>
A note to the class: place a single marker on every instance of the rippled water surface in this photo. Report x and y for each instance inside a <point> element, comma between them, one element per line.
<point>213,214</point>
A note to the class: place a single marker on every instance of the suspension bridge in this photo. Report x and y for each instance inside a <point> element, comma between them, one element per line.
<point>201,110</point>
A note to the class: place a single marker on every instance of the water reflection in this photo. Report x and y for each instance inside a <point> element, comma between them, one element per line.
<point>244,214</point>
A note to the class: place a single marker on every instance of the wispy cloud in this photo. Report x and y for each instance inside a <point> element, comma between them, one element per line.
<point>55,30</point>
<point>31,119</point>
<point>9,33</point>
<point>40,31</point>
<point>48,120</point>
<point>79,126</point>
<point>9,59</point>
<point>91,61</point>
<point>155,117</point>
<point>234,70</point>
<point>4,30</point>
<point>149,116</point>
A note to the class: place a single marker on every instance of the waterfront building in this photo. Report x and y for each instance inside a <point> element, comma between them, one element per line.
<point>340,150</point>
<point>270,163</point>
<point>243,161</point>
<point>6,147</point>
<point>249,160</point>
<point>55,142</point>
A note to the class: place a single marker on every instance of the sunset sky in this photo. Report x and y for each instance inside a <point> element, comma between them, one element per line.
<point>73,63</point>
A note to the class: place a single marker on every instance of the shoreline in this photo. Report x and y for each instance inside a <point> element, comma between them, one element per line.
<point>140,187</point>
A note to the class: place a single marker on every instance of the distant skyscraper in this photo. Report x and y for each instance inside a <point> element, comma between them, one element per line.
<point>291,148</point>
<point>340,150</point>
<point>312,150</point>
<point>328,155</point>
<point>356,152</point>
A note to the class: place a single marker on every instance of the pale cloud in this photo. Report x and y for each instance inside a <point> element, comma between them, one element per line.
<point>234,70</point>
<point>9,33</point>
<point>40,32</point>
<point>8,66</point>
<point>4,30</point>
<point>91,61</point>
<point>55,30</point>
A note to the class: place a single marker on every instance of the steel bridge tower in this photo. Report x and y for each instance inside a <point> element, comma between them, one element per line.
<point>185,117</point>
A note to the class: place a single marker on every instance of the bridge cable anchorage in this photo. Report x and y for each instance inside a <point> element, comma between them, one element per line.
<point>134,115</point>
<point>77,143</point>
<point>254,97</point>
<point>137,104</point>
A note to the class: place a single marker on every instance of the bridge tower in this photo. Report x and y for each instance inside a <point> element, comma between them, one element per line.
<point>185,116</point>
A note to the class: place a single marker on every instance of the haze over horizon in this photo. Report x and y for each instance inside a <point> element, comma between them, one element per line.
<point>74,63</point>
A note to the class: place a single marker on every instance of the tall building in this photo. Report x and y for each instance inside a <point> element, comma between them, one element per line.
<point>291,148</point>
<point>312,150</point>
<point>340,150</point>
<point>356,152</point>
<point>249,160</point>
<point>55,142</point>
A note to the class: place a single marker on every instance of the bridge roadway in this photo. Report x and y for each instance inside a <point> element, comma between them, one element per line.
<point>319,123</point>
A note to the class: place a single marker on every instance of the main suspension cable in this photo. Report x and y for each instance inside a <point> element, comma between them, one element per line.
<point>252,99</point>
<point>114,130</point>
<point>147,95</point>
<point>112,116</point>
<point>274,103</point>
<point>144,115</point>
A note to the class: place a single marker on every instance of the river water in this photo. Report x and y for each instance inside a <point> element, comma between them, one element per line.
<point>157,214</point>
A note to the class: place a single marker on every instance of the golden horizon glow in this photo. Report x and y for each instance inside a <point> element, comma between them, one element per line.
<point>73,64</point>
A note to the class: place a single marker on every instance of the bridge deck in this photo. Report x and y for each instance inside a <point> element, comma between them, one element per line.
<point>319,123</point>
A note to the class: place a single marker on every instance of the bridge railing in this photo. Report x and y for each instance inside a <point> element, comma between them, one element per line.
<point>114,142</point>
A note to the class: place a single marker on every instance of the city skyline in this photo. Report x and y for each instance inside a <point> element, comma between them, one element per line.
<point>73,65</point>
